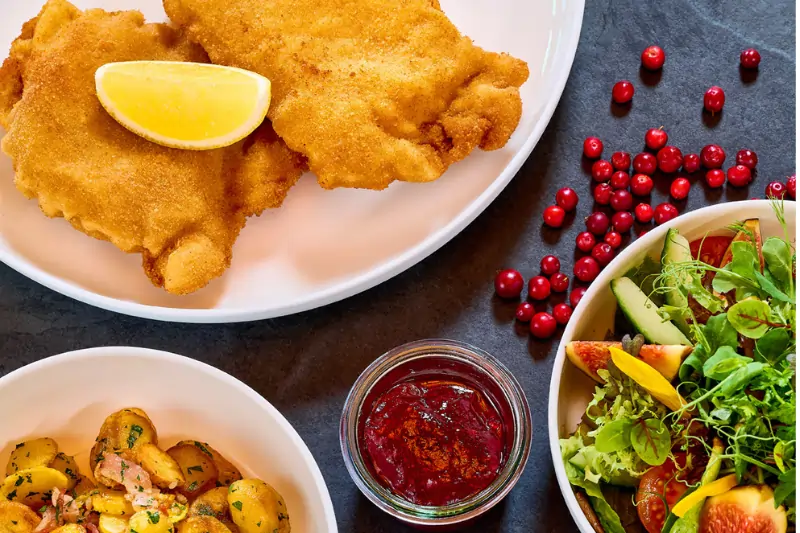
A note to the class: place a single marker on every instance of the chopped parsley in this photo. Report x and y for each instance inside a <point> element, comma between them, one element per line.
<point>140,488</point>
<point>14,522</point>
<point>99,457</point>
<point>203,448</point>
<point>43,509</point>
<point>237,505</point>
<point>153,517</point>
<point>20,445</point>
<point>70,473</point>
<point>195,468</point>
<point>231,489</point>
<point>28,454</point>
<point>133,531</point>
<point>29,478</point>
<point>135,433</point>
<point>192,486</point>
<point>205,509</point>
<point>19,481</point>
<point>122,470</point>
<point>282,516</point>
<point>258,524</point>
<point>11,495</point>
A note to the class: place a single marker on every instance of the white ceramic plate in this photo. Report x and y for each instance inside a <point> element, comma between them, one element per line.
<point>321,246</point>
<point>68,396</point>
<point>570,389</point>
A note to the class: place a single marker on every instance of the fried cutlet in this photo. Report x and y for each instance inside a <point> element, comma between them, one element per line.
<point>370,91</point>
<point>182,210</point>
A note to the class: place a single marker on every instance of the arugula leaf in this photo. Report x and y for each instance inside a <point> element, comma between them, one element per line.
<point>769,287</point>
<point>750,318</point>
<point>739,379</point>
<point>614,436</point>
<point>651,440</point>
<point>724,361</point>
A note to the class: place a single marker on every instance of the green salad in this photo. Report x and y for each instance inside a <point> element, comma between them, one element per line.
<point>692,425</point>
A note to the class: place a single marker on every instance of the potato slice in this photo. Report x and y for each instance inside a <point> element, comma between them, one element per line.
<point>213,502</point>
<point>112,524</point>
<point>164,471</point>
<point>227,473</point>
<point>202,524</point>
<point>17,518</point>
<point>112,503</point>
<point>34,452</point>
<point>83,486</point>
<point>150,521</point>
<point>33,486</point>
<point>199,470</point>
<point>66,465</point>
<point>256,507</point>
<point>123,431</point>
<point>69,528</point>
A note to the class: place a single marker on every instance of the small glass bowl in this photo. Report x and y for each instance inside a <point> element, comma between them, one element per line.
<point>437,357</point>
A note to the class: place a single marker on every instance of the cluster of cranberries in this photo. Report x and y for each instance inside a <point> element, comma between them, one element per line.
<point>509,284</point>
<point>623,190</point>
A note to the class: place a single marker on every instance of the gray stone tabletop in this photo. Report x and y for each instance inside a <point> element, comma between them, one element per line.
<point>305,364</point>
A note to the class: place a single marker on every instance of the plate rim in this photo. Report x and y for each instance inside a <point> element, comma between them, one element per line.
<point>646,242</point>
<point>113,351</point>
<point>349,287</point>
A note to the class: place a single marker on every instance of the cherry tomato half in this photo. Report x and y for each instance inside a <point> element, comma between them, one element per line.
<point>665,482</point>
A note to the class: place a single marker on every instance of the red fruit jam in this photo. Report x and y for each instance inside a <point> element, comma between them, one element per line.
<point>435,439</point>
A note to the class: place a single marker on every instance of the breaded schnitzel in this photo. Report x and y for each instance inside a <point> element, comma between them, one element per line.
<point>182,210</point>
<point>370,91</point>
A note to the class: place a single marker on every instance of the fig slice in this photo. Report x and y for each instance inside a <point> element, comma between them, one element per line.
<point>590,356</point>
<point>748,509</point>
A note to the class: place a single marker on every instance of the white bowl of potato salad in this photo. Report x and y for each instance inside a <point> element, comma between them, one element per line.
<point>130,440</point>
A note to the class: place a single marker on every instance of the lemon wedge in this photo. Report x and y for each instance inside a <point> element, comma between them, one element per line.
<point>715,488</point>
<point>648,377</point>
<point>193,106</point>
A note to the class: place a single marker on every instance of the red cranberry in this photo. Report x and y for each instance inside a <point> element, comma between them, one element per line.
<point>550,265</point>
<point>622,93</point>
<point>554,216</point>
<point>603,253</point>
<point>576,295</point>
<point>525,312</point>
<point>622,221</point>
<point>714,99</point>
<point>586,269</point>
<point>621,161</point>
<point>776,189</point>
<point>747,158</point>
<point>680,188</point>
<point>670,159</point>
<point>559,282</point>
<point>715,178</point>
<point>655,138</point>
<point>641,185</point>
<point>602,193</point>
<point>543,325</point>
<point>645,163</point>
<point>592,147</point>
<point>750,58</point>
<point>665,212</point>
<point>653,57</point>
<point>621,200</point>
<point>613,239</point>
<point>739,176</point>
<point>508,283</point>
<point>602,170</point>
<point>620,180</point>
<point>584,241</point>
<point>691,163</point>
<point>712,156</point>
<point>644,213</point>
<point>538,288</point>
<point>791,185</point>
<point>597,223</point>
<point>562,313</point>
<point>567,198</point>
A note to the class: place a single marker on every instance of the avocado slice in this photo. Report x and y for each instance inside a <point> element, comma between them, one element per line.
<point>676,250</point>
<point>643,314</point>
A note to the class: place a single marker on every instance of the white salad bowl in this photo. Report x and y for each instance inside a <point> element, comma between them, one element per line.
<point>68,396</point>
<point>570,389</point>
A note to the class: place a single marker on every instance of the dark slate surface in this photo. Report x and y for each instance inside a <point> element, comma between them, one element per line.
<point>305,364</point>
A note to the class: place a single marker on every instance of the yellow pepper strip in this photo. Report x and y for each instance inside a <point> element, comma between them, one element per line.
<point>715,488</point>
<point>648,377</point>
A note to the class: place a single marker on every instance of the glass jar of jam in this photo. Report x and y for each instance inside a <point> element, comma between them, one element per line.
<point>435,432</point>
